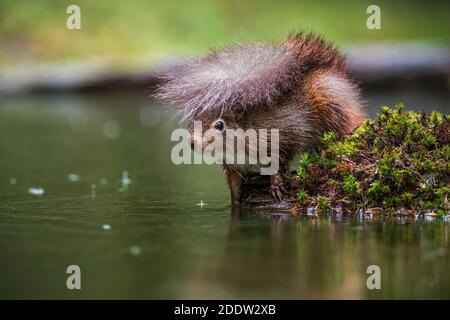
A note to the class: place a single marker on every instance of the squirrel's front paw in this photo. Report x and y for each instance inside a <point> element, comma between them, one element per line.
<point>277,188</point>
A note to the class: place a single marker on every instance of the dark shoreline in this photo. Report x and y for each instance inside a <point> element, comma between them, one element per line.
<point>376,67</point>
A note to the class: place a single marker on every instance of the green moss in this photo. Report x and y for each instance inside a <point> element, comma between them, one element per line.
<point>329,137</point>
<point>302,173</point>
<point>304,162</point>
<point>377,188</point>
<point>347,147</point>
<point>400,160</point>
<point>324,203</point>
<point>351,185</point>
<point>333,182</point>
<point>302,195</point>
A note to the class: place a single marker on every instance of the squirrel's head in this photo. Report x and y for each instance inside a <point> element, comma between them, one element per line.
<point>203,126</point>
<point>254,79</point>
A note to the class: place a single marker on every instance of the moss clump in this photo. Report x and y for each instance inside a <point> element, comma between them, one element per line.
<point>399,161</point>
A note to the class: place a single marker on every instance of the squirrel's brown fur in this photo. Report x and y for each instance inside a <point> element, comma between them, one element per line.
<point>300,87</point>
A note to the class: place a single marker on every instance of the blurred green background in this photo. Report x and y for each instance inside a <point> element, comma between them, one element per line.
<point>136,30</point>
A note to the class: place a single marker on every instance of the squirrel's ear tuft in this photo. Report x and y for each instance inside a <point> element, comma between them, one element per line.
<point>238,76</point>
<point>179,88</point>
<point>167,92</point>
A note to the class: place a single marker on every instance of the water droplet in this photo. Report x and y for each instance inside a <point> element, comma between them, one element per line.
<point>125,179</point>
<point>201,204</point>
<point>73,177</point>
<point>36,191</point>
<point>93,190</point>
<point>111,129</point>
<point>150,116</point>
<point>135,250</point>
<point>430,216</point>
<point>360,213</point>
<point>78,120</point>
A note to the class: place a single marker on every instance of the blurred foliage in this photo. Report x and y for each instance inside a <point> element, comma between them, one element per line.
<point>137,29</point>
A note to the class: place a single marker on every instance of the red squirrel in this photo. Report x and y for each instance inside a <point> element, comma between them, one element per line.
<point>301,87</point>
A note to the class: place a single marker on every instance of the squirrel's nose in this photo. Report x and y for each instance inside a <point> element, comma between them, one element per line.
<point>192,143</point>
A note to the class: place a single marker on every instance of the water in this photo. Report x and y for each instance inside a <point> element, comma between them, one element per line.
<point>140,227</point>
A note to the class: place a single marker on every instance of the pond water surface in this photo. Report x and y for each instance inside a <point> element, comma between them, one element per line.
<point>89,181</point>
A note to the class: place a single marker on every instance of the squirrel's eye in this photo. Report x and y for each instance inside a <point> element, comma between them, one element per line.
<point>219,125</point>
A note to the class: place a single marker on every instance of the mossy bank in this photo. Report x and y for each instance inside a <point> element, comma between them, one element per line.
<point>397,163</point>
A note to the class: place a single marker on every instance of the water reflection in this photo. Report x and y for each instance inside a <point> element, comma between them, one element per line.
<point>273,256</point>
